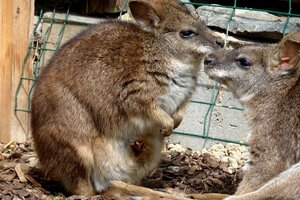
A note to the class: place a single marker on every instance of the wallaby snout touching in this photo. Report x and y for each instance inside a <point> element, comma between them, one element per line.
<point>266,79</point>
<point>105,101</point>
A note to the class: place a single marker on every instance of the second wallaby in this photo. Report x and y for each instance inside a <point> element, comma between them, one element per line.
<point>266,80</point>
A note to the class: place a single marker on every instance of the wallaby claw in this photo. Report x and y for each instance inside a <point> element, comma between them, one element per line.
<point>138,148</point>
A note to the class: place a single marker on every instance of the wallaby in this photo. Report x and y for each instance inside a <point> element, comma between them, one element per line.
<point>266,80</point>
<point>107,98</point>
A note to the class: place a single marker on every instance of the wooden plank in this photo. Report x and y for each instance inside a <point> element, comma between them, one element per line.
<point>5,66</point>
<point>15,26</point>
<point>22,20</point>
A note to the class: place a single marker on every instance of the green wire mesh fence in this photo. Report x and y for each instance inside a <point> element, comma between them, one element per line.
<point>38,48</point>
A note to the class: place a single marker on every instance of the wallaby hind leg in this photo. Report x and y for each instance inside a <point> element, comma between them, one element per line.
<point>63,160</point>
<point>286,186</point>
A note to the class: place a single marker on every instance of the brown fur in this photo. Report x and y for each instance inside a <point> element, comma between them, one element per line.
<point>112,85</point>
<point>269,89</point>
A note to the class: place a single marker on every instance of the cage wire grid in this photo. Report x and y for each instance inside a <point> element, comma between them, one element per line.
<point>40,46</point>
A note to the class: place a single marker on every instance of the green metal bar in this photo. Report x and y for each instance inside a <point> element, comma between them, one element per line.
<point>213,103</point>
<point>22,110</point>
<point>29,99</point>
<point>242,8</point>
<point>288,18</point>
<point>123,7</point>
<point>42,49</point>
<point>61,32</point>
<point>63,20</point>
<point>229,21</point>
<point>210,138</point>
<point>28,78</point>
<point>223,106</point>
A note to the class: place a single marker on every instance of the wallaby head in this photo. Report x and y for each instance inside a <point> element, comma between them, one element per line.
<point>180,29</point>
<point>250,69</point>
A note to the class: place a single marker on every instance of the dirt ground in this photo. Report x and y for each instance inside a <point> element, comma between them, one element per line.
<point>184,170</point>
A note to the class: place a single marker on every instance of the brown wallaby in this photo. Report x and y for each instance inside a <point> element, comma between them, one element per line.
<point>266,80</point>
<point>107,98</point>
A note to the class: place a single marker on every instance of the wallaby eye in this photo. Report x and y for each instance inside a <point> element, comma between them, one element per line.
<point>244,63</point>
<point>187,33</point>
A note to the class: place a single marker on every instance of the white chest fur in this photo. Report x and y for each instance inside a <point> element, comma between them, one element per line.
<point>182,83</point>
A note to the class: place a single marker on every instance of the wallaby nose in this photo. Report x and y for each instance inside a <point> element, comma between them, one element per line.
<point>210,59</point>
<point>220,42</point>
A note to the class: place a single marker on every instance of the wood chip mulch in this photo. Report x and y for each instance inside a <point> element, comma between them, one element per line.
<point>188,171</point>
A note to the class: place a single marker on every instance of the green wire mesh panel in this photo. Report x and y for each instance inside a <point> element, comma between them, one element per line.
<point>211,106</point>
<point>37,49</point>
<point>41,47</point>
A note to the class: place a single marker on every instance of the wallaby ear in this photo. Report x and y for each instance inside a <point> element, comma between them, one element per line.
<point>289,52</point>
<point>192,10</point>
<point>144,14</point>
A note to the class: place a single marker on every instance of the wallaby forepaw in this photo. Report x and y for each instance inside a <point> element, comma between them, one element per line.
<point>166,132</point>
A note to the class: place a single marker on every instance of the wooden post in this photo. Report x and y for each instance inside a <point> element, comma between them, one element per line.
<point>16,19</point>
